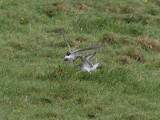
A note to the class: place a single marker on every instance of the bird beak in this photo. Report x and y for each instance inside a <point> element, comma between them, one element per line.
<point>63,60</point>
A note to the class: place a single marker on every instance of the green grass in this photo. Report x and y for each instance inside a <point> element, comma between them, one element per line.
<point>36,84</point>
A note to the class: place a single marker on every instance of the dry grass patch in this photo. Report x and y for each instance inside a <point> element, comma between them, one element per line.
<point>121,10</point>
<point>55,31</point>
<point>109,9</point>
<point>80,39</point>
<point>58,30</point>
<point>124,59</point>
<point>148,44</point>
<point>51,9</point>
<point>109,38</point>
<point>135,55</point>
<point>125,39</point>
<point>125,10</point>
<point>84,7</point>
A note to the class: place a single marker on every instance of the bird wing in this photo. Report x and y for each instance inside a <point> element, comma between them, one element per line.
<point>89,48</point>
<point>66,40</point>
<point>89,56</point>
<point>88,64</point>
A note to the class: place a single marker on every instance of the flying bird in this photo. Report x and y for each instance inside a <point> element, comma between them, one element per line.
<point>70,55</point>
<point>86,64</point>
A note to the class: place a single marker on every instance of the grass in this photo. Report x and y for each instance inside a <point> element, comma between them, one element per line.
<point>36,84</point>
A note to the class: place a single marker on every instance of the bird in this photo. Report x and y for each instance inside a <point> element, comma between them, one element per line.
<point>70,55</point>
<point>87,65</point>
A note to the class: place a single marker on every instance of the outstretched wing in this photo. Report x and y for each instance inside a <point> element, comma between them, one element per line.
<point>66,40</point>
<point>89,48</point>
<point>89,56</point>
<point>88,64</point>
<point>86,59</point>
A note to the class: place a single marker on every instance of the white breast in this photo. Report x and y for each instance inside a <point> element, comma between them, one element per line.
<point>70,58</point>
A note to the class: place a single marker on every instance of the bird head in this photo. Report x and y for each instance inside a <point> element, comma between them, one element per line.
<point>68,59</point>
<point>68,53</point>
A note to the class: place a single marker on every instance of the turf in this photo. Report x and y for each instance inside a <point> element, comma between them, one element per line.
<point>36,84</point>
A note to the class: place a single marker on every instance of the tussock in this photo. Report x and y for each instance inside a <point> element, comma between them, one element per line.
<point>51,9</point>
<point>84,7</point>
<point>149,44</point>
<point>109,38</point>
<point>121,10</point>
<point>124,59</point>
<point>135,55</point>
<point>80,39</point>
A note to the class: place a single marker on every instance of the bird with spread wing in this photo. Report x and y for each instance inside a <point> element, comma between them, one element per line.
<point>70,55</point>
<point>87,65</point>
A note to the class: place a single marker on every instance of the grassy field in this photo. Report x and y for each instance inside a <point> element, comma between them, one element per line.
<point>36,85</point>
